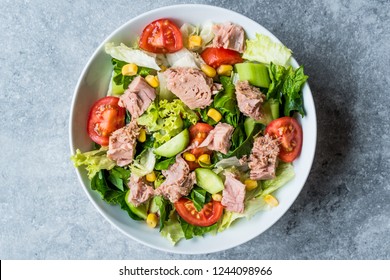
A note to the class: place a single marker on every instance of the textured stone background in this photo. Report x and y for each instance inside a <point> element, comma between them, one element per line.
<point>343,210</point>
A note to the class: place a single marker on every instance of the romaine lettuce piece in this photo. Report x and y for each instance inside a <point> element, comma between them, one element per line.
<point>129,55</point>
<point>172,228</point>
<point>94,161</point>
<point>263,49</point>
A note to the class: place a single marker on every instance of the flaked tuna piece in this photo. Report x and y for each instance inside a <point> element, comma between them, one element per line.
<point>219,138</point>
<point>179,181</point>
<point>121,145</point>
<point>233,194</point>
<point>191,85</point>
<point>249,100</point>
<point>140,191</point>
<point>229,36</point>
<point>137,97</point>
<point>263,159</point>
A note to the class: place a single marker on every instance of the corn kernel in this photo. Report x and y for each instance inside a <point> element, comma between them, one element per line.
<point>214,114</point>
<point>152,220</point>
<point>205,158</point>
<point>250,184</point>
<point>217,197</point>
<point>129,69</point>
<point>151,177</point>
<point>225,70</point>
<point>208,70</point>
<point>152,81</point>
<point>271,200</point>
<point>189,157</point>
<point>163,68</point>
<point>194,42</point>
<point>142,135</point>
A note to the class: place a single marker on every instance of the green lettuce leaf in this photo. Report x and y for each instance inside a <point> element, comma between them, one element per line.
<point>286,87</point>
<point>172,228</point>
<point>190,230</point>
<point>254,201</point>
<point>165,119</point>
<point>129,55</point>
<point>245,147</point>
<point>263,49</point>
<point>94,161</point>
<point>199,197</point>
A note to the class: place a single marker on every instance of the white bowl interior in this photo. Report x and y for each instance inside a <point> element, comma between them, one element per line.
<point>93,84</point>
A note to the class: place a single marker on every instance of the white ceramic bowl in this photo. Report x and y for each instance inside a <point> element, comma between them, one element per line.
<point>93,84</point>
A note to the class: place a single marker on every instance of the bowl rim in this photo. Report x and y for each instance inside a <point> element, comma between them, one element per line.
<point>86,67</point>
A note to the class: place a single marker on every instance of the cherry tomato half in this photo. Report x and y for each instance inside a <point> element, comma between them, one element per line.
<point>104,118</point>
<point>199,132</point>
<point>208,216</point>
<point>218,56</point>
<point>161,36</point>
<point>289,133</point>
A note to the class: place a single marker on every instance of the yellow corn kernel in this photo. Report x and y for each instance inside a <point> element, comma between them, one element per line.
<point>208,70</point>
<point>250,184</point>
<point>163,68</point>
<point>194,42</point>
<point>205,158</point>
<point>151,177</point>
<point>142,135</point>
<point>129,69</point>
<point>271,200</point>
<point>217,197</point>
<point>214,114</point>
<point>189,157</point>
<point>152,81</point>
<point>225,70</point>
<point>152,220</point>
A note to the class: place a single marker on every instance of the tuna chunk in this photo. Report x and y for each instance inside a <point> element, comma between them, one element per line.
<point>229,36</point>
<point>121,146</point>
<point>249,100</point>
<point>191,85</point>
<point>140,191</point>
<point>233,194</point>
<point>179,181</point>
<point>137,97</point>
<point>219,138</point>
<point>263,158</point>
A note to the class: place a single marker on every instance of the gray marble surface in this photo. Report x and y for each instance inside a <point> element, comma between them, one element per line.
<point>343,210</point>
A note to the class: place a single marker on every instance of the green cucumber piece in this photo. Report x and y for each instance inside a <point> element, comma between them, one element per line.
<point>255,73</point>
<point>208,180</point>
<point>174,146</point>
<point>141,211</point>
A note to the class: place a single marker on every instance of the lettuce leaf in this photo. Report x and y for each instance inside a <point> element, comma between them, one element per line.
<point>254,202</point>
<point>190,230</point>
<point>263,49</point>
<point>172,228</point>
<point>286,87</point>
<point>129,55</point>
<point>165,120</point>
<point>94,161</point>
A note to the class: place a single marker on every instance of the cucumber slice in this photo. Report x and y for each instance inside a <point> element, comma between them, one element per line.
<point>255,73</point>
<point>174,146</point>
<point>208,180</point>
<point>141,211</point>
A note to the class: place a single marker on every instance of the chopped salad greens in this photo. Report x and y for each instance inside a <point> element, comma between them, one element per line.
<point>198,128</point>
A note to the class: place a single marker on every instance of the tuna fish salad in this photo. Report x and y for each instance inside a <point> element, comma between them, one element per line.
<point>198,128</point>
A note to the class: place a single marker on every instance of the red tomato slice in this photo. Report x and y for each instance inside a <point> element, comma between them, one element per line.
<point>208,216</point>
<point>198,133</point>
<point>218,56</point>
<point>161,36</point>
<point>105,117</point>
<point>289,133</point>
